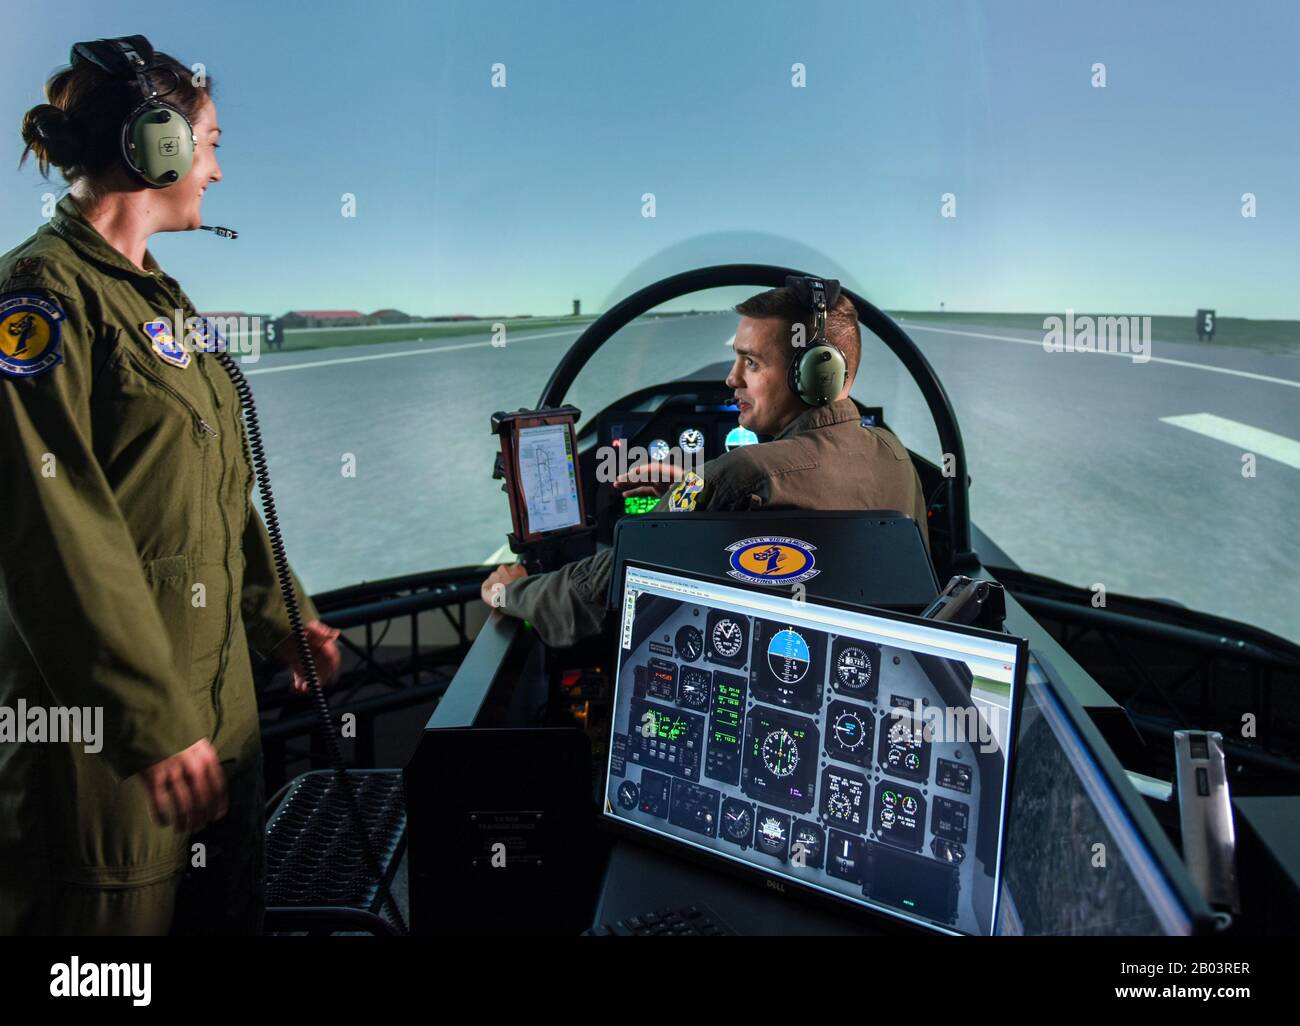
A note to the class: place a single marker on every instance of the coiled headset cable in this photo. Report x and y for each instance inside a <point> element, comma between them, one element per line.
<point>257,452</point>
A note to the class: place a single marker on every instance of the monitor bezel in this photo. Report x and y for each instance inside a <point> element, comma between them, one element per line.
<point>776,883</point>
<point>1141,820</point>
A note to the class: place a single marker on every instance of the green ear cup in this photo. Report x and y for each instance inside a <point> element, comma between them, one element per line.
<point>818,374</point>
<point>158,141</point>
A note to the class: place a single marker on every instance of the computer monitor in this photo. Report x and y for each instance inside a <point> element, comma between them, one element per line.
<point>849,753</point>
<point>1080,859</point>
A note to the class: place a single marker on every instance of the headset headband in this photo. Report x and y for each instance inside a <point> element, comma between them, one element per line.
<point>820,295</point>
<point>124,57</point>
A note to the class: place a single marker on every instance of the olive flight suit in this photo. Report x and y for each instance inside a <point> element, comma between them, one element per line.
<point>134,573</point>
<point>825,459</point>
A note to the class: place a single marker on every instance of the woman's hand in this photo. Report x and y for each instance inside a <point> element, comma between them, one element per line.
<point>649,479</point>
<point>187,790</point>
<point>492,591</point>
<point>324,651</point>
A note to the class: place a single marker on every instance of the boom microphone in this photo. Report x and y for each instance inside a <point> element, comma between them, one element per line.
<point>225,233</point>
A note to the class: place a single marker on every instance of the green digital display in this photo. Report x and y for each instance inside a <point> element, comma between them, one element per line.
<point>639,503</point>
<point>667,725</point>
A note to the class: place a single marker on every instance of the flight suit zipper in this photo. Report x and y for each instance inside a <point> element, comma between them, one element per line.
<point>225,561</point>
<point>215,687</point>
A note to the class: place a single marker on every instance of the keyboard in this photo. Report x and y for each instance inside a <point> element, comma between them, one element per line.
<point>691,921</point>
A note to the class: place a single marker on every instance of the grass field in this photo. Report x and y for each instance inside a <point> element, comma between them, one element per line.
<point>1269,336</point>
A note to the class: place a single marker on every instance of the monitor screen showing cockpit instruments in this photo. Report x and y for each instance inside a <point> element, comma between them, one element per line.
<point>860,754</point>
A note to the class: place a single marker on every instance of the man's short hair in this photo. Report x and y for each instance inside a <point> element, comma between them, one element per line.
<point>784,305</point>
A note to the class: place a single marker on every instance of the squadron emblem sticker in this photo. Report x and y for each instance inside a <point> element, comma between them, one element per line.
<point>165,344</point>
<point>772,560</point>
<point>29,335</point>
<point>682,499</point>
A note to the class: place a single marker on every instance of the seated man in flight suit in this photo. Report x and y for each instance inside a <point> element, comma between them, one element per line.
<point>820,456</point>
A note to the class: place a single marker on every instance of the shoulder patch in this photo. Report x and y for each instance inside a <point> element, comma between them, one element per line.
<point>165,344</point>
<point>30,326</point>
<point>686,494</point>
<point>27,265</point>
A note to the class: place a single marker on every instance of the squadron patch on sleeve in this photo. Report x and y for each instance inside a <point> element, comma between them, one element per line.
<point>686,494</point>
<point>165,343</point>
<point>29,334</point>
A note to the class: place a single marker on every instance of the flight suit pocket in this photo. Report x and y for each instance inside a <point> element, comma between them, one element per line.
<point>182,458</point>
<point>166,569</point>
<point>171,581</point>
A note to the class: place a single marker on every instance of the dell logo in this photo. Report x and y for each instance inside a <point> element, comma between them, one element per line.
<point>776,885</point>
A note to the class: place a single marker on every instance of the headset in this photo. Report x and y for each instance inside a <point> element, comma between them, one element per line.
<point>157,139</point>
<point>818,373</point>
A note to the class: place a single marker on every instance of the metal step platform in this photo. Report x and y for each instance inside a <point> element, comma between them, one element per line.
<point>317,878</point>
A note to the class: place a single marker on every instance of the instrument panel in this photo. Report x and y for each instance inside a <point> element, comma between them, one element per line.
<point>688,433</point>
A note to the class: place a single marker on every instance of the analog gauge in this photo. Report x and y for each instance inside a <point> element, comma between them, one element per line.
<point>693,687</point>
<point>850,731</point>
<point>909,805</point>
<point>738,822</point>
<point>774,834</point>
<point>628,793</point>
<point>739,436</point>
<point>690,643</point>
<point>780,752</point>
<point>807,844</point>
<point>853,668</point>
<point>912,761</point>
<point>787,656</point>
<point>844,797</point>
<point>692,440</point>
<point>659,450</point>
<point>889,798</point>
<point>887,817</point>
<point>727,637</point>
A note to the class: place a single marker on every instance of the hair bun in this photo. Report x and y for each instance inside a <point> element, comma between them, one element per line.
<point>47,130</point>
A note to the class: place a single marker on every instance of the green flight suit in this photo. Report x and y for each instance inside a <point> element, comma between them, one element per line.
<point>134,573</point>
<point>826,458</point>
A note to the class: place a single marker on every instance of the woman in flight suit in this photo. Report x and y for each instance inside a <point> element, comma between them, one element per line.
<point>134,569</point>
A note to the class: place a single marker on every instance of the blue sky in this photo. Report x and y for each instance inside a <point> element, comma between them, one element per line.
<point>474,199</point>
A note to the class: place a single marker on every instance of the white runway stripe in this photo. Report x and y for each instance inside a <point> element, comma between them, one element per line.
<point>1240,436</point>
<point>392,356</point>
<point>913,326</point>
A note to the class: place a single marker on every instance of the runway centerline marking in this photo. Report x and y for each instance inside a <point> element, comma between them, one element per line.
<point>911,325</point>
<point>1241,436</point>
